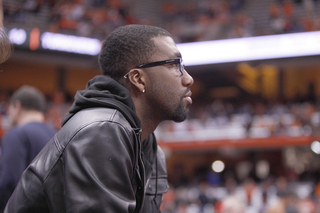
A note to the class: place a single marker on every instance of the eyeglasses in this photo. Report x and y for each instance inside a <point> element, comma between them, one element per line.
<point>159,63</point>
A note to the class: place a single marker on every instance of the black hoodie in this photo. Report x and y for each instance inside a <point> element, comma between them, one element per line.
<point>103,91</point>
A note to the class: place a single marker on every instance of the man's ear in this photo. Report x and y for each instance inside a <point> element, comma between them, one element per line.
<point>138,79</point>
<point>17,105</point>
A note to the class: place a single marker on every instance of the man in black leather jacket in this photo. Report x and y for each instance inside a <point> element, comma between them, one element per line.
<point>105,158</point>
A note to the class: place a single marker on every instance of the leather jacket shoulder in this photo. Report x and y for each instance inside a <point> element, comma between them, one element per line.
<point>93,164</point>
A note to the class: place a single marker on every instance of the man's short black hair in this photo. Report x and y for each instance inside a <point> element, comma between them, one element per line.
<point>126,47</point>
<point>30,98</point>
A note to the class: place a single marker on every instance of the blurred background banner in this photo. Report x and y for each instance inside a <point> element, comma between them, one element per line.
<point>33,40</point>
<point>252,137</point>
<point>249,49</point>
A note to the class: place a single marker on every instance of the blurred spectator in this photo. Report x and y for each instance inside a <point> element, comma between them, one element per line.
<point>32,5</point>
<point>287,204</point>
<point>232,204</point>
<point>24,140</point>
<point>308,7</point>
<point>242,27</point>
<point>276,20</point>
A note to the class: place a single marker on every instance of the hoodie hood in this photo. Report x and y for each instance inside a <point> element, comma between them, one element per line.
<point>103,91</point>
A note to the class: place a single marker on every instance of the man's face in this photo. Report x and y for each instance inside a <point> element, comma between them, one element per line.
<point>168,91</point>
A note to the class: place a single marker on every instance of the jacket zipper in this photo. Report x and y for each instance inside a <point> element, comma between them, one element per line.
<point>140,161</point>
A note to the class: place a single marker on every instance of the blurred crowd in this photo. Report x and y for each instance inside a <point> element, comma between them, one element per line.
<point>212,20</point>
<point>95,18</point>
<point>224,120</point>
<point>283,17</point>
<point>207,20</point>
<point>268,196</point>
<point>223,193</point>
<point>90,18</point>
<point>193,21</point>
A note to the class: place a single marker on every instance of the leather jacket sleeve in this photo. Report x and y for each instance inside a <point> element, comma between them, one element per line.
<point>99,170</point>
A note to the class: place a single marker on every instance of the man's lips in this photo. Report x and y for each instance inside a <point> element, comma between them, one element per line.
<point>188,96</point>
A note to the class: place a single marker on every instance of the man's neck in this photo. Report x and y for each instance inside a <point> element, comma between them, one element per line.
<point>148,122</point>
<point>30,116</point>
<point>147,129</point>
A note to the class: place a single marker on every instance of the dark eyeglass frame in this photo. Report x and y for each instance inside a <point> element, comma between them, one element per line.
<point>159,63</point>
